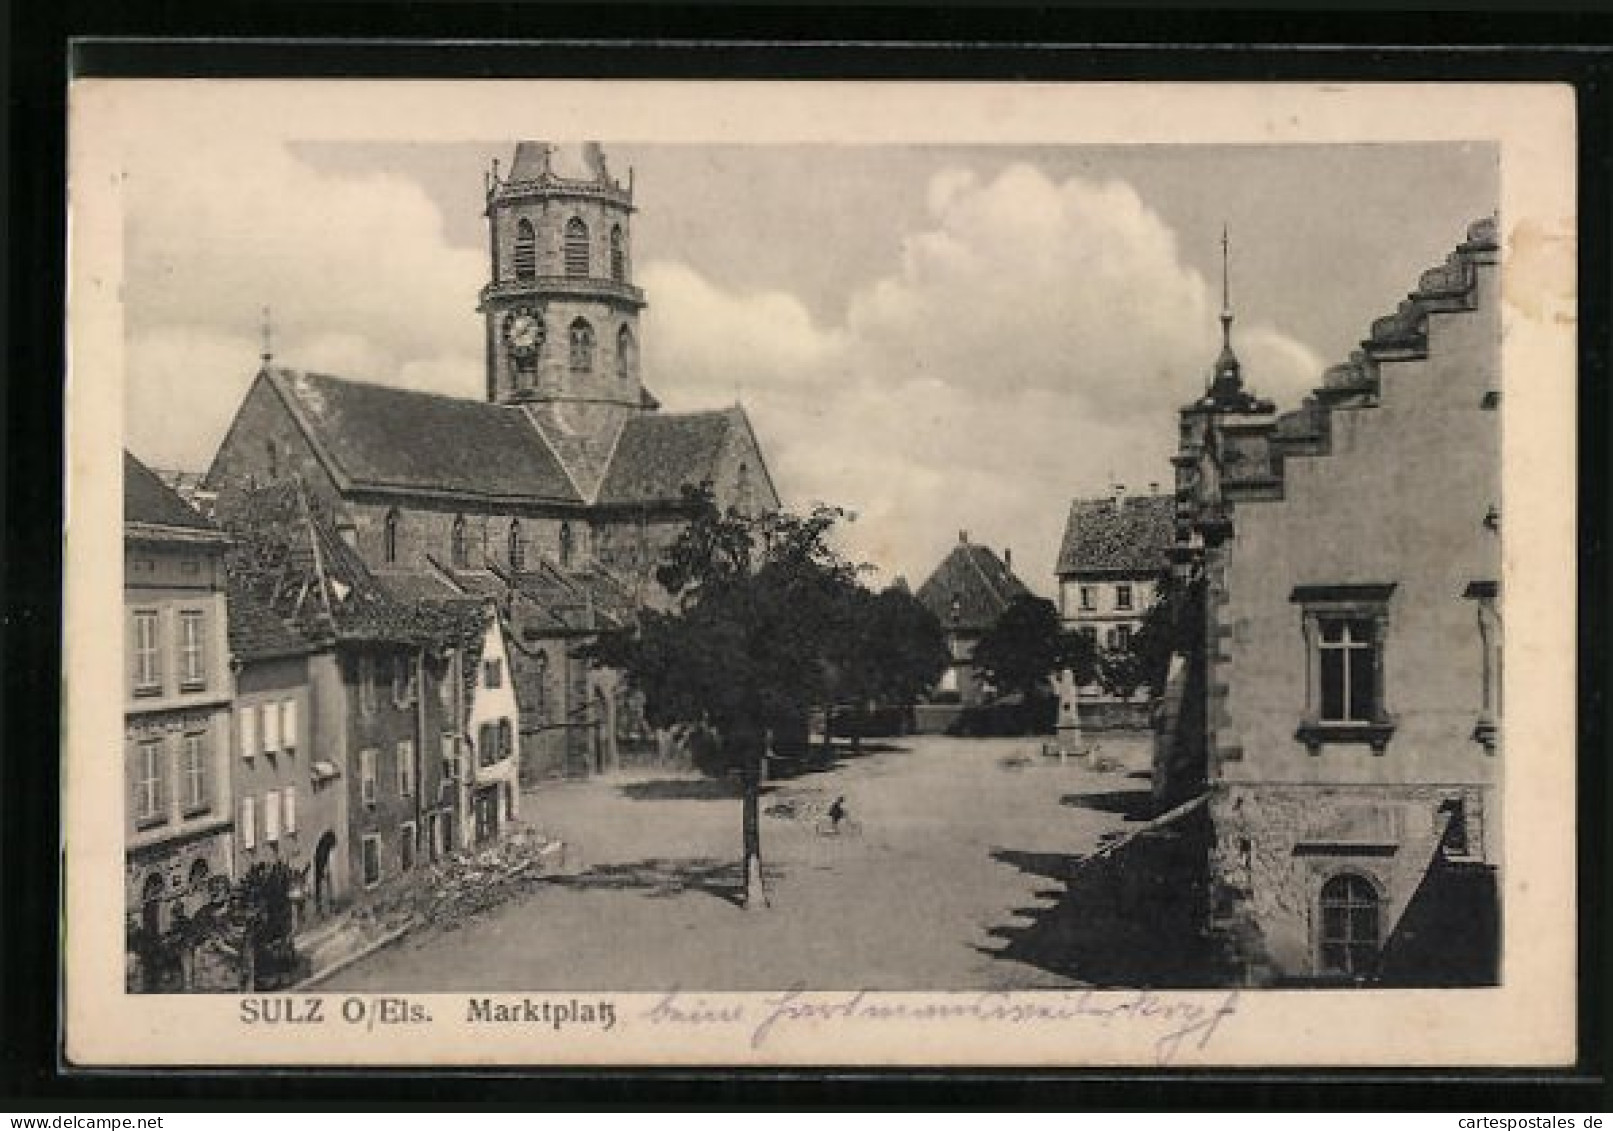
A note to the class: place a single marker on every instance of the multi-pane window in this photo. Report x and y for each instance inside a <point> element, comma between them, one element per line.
<point>271,816</point>
<point>372,861</point>
<point>147,652</point>
<point>1348,940</point>
<point>366,776</point>
<point>1347,651</point>
<point>1122,596</point>
<point>1089,597</point>
<point>526,250</point>
<point>492,674</point>
<point>517,546</point>
<point>197,791</point>
<point>192,649</point>
<point>576,247</point>
<point>405,767</point>
<point>150,789</point>
<point>582,346</point>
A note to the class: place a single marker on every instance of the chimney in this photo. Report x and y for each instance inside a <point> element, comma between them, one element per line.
<point>1153,486</point>
<point>1119,495</point>
<point>1008,557</point>
<point>963,537</point>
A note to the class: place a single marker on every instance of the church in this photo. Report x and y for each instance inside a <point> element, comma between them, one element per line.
<point>558,494</point>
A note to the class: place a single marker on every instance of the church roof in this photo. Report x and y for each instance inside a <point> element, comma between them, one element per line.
<point>971,588</point>
<point>149,501</point>
<point>658,455</point>
<point>1130,536</point>
<point>387,438</point>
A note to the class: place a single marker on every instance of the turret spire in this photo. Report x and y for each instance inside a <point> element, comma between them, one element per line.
<point>1226,378</point>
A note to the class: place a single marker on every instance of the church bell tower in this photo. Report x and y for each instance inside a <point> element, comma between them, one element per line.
<point>560,306</point>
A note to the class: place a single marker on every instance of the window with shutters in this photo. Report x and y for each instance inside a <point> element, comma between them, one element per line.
<point>288,809</point>
<point>526,250</point>
<point>406,767</point>
<point>192,650</point>
<point>271,816</point>
<point>271,728</point>
<point>288,726</point>
<point>198,795</point>
<point>248,717</point>
<point>576,247</point>
<point>1344,628</point>
<point>618,255</point>
<point>147,653</point>
<point>248,824</point>
<point>150,785</point>
<point>582,346</point>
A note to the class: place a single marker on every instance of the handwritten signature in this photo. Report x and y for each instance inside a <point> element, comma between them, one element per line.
<point>1183,1022</point>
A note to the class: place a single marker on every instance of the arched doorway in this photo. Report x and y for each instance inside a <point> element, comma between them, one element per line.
<point>324,889</point>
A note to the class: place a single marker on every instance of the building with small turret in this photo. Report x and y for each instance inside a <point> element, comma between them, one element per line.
<point>1337,694</point>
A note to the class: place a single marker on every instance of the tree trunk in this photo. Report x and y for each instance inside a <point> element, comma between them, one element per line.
<point>751,824</point>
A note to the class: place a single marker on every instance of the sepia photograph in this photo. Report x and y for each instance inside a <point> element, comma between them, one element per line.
<point>760,591</point>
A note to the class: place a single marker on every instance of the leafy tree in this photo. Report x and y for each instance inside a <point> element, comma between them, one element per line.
<point>1025,647</point>
<point>760,624</point>
<point>263,912</point>
<point>886,650</point>
<point>1145,660</point>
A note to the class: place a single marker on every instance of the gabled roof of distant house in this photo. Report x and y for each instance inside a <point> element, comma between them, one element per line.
<point>657,456</point>
<point>971,588</point>
<point>1129,535</point>
<point>380,437</point>
<point>151,504</point>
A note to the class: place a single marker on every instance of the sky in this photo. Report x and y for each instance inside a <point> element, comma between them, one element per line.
<point>938,338</point>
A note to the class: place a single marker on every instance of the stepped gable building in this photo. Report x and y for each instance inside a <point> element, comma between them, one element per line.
<point>1342,702</point>
<point>967,593</point>
<point>1114,551</point>
<point>557,495</point>
<point>177,691</point>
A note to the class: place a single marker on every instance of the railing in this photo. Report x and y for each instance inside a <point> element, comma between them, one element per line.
<point>565,286</point>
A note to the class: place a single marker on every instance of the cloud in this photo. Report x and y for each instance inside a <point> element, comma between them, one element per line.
<point>1037,340</point>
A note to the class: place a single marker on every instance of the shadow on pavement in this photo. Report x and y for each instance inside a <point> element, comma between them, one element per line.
<point>1133,804</point>
<point>1130,919</point>
<point>664,878</point>
<point>682,789</point>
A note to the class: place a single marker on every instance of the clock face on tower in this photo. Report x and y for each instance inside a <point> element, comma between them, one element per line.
<point>523,330</point>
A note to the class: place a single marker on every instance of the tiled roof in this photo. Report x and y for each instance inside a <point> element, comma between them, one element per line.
<point>1131,538</point>
<point>147,499</point>
<point>582,600</point>
<point>256,631</point>
<point>971,588</point>
<point>657,456</point>
<point>384,437</point>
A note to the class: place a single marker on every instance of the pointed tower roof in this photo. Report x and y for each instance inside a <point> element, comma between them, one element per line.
<point>1226,380</point>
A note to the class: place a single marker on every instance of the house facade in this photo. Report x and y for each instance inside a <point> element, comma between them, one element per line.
<point>559,494</point>
<point>967,593</point>
<point>1114,551</point>
<point>1345,560</point>
<point>177,693</point>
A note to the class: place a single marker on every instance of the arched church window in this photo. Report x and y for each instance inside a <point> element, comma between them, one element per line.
<point>526,250</point>
<point>576,247</point>
<point>517,546</point>
<point>626,353</point>
<point>618,255</point>
<point>458,553</point>
<point>567,545</point>
<point>274,459</point>
<point>582,346</point>
<point>389,537</point>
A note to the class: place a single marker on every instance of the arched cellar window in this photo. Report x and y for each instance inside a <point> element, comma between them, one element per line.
<point>458,553</point>
<point>526,251</point>
<point>576,247</point>
<point>389,537</point>
<point>582,346</point>
<point>517,546</point>
<point>566,545</point>
<point>1349,935</point>
<point>618,255</point>
<point>626,353</point>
